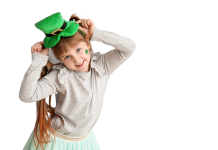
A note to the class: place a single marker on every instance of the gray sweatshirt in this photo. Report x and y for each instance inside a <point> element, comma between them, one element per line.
<point>80,94</point>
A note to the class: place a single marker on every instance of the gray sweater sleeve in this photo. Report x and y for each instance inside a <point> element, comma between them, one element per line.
<point>32,89</point>
<point>124,47</point>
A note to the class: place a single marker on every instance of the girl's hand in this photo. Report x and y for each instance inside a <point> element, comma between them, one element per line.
<point>38,48</point>
<point>88,27</point>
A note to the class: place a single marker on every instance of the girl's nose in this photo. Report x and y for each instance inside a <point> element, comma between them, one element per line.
<point>77,60</point>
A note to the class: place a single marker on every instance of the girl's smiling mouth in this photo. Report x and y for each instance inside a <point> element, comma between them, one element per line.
<point>81,64</point>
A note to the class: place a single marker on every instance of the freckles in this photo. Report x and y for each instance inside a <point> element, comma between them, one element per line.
<point>86,51</point>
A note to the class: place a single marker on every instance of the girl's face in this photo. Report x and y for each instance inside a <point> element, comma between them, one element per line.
<point>77,58</point>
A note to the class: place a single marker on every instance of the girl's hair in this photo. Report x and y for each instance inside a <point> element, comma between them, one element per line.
<point>43,120</point>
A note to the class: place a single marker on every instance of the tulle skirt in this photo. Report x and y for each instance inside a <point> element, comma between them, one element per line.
<point>63,142</point>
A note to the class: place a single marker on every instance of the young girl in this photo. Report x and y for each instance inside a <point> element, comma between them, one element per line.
<point>65,63</point>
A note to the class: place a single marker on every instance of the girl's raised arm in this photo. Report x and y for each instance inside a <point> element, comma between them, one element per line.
<point>31,89</point>
<point>124,47</point>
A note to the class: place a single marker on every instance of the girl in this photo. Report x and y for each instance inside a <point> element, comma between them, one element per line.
<point>64,62</point>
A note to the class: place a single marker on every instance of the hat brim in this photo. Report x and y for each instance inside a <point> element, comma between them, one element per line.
<point>71,28</point>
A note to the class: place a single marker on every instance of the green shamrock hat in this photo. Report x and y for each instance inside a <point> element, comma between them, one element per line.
<point>54,26</point>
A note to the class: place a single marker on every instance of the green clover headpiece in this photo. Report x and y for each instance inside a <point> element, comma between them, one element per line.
<point>54,26</point>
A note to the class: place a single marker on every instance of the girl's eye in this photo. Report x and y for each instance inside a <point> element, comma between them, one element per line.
<point>79,48</point>
<point>66,57</point>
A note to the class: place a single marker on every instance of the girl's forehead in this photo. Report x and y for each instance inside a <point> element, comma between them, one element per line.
<point>82,43</point>
<point>75,47</point>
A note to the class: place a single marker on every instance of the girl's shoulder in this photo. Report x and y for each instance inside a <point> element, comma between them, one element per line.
<point>98,62</point>
<point>57,74</point>
<point>60,67</point>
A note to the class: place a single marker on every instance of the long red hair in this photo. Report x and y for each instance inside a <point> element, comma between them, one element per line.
<point>45,112</point>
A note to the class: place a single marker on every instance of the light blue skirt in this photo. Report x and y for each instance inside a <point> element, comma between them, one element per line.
<point>63,142</point>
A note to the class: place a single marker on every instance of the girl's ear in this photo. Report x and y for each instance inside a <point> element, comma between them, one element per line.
<point>87,38</point>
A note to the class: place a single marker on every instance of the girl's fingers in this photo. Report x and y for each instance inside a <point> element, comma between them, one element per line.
<point>33,48</point>
<point>83,22</point>
<point>79,21</point>
<point>89,22</point>
<point>40,45</point>
<point>37,47</point>
<point>86,23</point>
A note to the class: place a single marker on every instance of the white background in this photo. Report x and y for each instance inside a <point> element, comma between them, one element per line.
<point>164,97</point>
